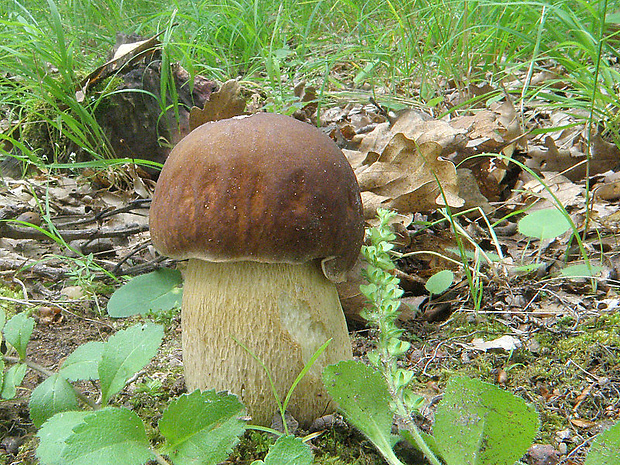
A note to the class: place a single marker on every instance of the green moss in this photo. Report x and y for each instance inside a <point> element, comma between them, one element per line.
<point>10,292</point>
<point>565,323</point>
<point>335,446</point>
<point>343,446</point>
<point>253,446</point>
<point>597,344</point>
<point>550,376</point>
<point>551,422</point>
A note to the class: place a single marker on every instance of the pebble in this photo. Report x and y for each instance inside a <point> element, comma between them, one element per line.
<point>542,454</point>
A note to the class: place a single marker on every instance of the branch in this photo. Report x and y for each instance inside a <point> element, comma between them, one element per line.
<point>13,232</point>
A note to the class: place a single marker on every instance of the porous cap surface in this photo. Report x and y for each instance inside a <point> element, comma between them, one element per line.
<point>265,188</point>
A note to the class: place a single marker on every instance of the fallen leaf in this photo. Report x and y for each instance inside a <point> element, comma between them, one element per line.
<point>505,342</point>
<point>470,192</point>
<point>581,423</point>
<point>125,55</point>
<point>570,160</point>
<point>225,103</point>
<point>419,127</point>
<point>404,177</point>
<point>608,188</point>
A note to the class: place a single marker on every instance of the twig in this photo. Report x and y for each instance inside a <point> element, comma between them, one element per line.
<point>117,267</point>
<point>23,286</point>
<point>133,205</point>
<point>151,265</point>
<point>13,232</point>
<point>35,267</point>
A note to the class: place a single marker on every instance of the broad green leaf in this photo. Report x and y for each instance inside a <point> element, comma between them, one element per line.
<point>54,433</point>
<point>478,423</point>
<point>110,436</point>
<point>547,223</point>
<point>605,449</point>
<point>439,282</point>
<point>581,271</point>
<point>289,450</point>
<point>2,321</point>
<point>52,396</point>
<point>156,291</point>
<point>202,427</point>
<point>17,332</point>
<point>124,354</point>
<point>1,374</point>
<point>13,378</point>
<point>363,396</point>
<point>83,363</point>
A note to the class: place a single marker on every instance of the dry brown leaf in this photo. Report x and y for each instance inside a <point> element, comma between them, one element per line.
<point>568,193</point>
<point>570,160</point>
<point>307,96</point>
<point>489,130</point>
<point>419,127</point>
<point>404,175</point>
<point>125,55</point>
<point>354,157</point>
<point>482,128</point>
<point>609,188</point>
<point>605,155</point>
<point>225,103</point>
<point>581,423</point>
<point>508,118</point>
<point>142,187</point>
<point>470,192</point>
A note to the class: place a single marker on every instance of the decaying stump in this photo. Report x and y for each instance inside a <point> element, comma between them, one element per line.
<point>132,116</point>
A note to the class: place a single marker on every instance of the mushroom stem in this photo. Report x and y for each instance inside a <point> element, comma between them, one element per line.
<point>282,313</point>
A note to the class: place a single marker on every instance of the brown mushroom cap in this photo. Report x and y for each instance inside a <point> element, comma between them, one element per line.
<point>265,188</point>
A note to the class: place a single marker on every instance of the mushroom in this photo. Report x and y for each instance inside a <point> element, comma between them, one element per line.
<point>268,212</point>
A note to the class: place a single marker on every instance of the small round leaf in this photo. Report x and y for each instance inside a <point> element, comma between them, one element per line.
<point>547,223</point>
<point>440,282</point>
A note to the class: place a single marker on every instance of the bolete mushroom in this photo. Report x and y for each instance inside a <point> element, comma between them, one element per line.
<point>268,212</point>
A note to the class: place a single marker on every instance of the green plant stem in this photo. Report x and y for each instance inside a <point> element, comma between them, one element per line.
<point>401,411</point>
<point>265,429</point>
<point>459,230</point>
<point>30,364</point>
<point>47,373</point>
<point>530,71</point>
<point>384,293</point>
<point>160,458</point>
<point>390,457</point>
<point>419,440</point>
<point>473,277</point>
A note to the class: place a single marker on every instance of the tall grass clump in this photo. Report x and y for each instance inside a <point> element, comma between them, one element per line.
<point>415,49</point>
<point>42,81</point>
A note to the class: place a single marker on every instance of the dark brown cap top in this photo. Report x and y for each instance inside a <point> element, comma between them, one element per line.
<point>264,188</point>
